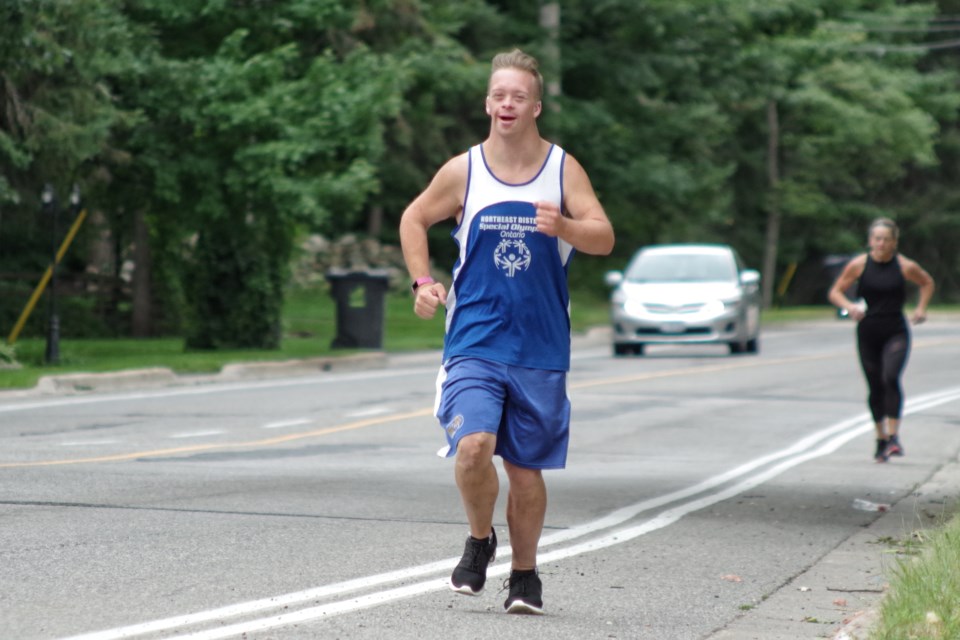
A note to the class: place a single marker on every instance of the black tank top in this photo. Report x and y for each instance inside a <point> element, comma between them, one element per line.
<point>883,287</point>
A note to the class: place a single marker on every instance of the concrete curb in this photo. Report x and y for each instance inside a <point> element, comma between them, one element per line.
<point>306,366</point>
<point>113,381</point>
<point>159,377</point>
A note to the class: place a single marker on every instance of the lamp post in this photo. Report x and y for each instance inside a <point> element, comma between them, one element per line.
<point>50,209</point>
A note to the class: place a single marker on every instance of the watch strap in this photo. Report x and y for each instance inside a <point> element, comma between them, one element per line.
<point>419,282</point>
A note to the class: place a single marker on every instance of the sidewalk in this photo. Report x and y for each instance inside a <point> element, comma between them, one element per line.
<point>838,597</point>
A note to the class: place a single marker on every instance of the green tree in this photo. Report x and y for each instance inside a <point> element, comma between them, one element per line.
<point>680,108</point>
<point>278,126</point>
<point>58,116</point>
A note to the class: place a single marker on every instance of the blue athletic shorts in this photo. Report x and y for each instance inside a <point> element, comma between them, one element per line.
<point>527,409</point>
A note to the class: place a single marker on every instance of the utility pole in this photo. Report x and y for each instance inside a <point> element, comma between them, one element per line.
<point>550,23</point>
<point>773,204</point>
<point>49,206</point>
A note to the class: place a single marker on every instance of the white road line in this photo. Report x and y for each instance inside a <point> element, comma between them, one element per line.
<point>197,434</point>
<point>367,413</point>
<point>287,423</point>
<point>610,539</point>
<point>821,443</point>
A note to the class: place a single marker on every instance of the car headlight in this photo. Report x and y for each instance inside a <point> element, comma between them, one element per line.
<point>713,307</point>
<point>634,307</point>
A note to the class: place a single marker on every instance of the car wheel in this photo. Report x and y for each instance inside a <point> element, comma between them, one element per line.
<point>736,347</point>
<point>753,346</point>
<point>620,349</point>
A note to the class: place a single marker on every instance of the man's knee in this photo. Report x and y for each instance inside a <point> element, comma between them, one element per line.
<point>475,450</point>
<point>523,479</point>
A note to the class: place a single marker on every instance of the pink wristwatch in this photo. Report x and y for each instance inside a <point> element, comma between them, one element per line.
<point>419,282</point>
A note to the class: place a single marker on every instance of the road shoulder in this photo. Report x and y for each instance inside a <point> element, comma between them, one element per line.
<point>838,597</point>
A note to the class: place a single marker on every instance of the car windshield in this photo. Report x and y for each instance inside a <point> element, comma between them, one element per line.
<point>674,267</point>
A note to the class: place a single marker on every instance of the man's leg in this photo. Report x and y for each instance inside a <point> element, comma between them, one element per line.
<point>477,481</point>
<point>526,509</point>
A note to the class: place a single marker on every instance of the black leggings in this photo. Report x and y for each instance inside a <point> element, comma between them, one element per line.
<point>884,344</point>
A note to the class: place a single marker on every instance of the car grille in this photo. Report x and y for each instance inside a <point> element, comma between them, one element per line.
<point>690,331</point>
<point>672,309</point>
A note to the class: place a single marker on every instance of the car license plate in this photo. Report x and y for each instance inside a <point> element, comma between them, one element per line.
<point>672,327</point>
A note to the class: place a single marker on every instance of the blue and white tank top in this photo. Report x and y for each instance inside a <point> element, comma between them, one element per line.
<point>509,301</point>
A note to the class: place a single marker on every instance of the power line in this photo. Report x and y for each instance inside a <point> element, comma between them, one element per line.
<point>899,48</point>
<point>891,29</point>
<point>872,17</point>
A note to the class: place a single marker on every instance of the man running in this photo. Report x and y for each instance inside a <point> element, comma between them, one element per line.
<point>522,207</point>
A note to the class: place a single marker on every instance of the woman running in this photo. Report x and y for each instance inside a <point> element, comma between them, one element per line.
<point>883,337</point>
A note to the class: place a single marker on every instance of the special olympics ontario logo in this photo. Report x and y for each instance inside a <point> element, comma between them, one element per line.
<point>454,425</point>
<point>511,256</point>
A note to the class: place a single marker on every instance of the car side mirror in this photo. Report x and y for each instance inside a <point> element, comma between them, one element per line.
<point>613,278</point>
<point>749,277</point>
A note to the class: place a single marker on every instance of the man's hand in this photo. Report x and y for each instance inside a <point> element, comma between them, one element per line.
<point>428,298</point>
<point>549,219</point>
<point>918,317</point>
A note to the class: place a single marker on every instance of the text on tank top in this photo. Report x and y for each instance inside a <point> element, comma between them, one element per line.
<point>509,301</point>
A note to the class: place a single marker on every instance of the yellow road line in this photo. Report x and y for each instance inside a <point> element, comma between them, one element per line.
<point>266,442</point>
<point>213,446</point>
<point>653,375</point>
<point>372,422</point>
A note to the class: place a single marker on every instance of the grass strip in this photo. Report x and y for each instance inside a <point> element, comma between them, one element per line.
<point>924,598</point>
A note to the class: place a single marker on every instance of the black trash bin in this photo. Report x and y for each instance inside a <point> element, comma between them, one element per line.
<point>359,296</point>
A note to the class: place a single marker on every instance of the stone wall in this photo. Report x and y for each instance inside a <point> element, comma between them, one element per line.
<point>316,255</point>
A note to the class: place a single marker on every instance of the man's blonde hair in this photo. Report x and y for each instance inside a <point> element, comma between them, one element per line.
<point>517,59</point>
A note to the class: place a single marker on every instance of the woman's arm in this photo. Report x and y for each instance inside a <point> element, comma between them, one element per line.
<point>848,276</point>
<point>916,274</point>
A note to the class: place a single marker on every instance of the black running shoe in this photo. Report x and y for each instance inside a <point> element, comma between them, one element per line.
<point>526,592</point>
<point>893,446</point>
<point>470,575</point>
<point>881,454</point>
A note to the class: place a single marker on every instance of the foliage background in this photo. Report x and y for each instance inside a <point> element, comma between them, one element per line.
<point>208,137</point>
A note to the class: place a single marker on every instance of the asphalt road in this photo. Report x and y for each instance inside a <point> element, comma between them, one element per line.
<point>698,485</point>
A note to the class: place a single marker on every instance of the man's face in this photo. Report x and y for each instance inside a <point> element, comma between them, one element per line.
<point>512,100</point>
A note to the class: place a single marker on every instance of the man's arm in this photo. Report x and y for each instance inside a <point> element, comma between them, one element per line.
<point>440,201</point>
<point>587,229</point>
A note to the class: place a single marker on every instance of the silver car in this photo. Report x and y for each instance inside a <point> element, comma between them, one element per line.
<point>685,293</point>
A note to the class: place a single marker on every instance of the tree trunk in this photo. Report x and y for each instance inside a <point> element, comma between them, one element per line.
<point>375,221</point>
<point>142,293</point>
<point>773,204</point>
<point>550,23</point>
